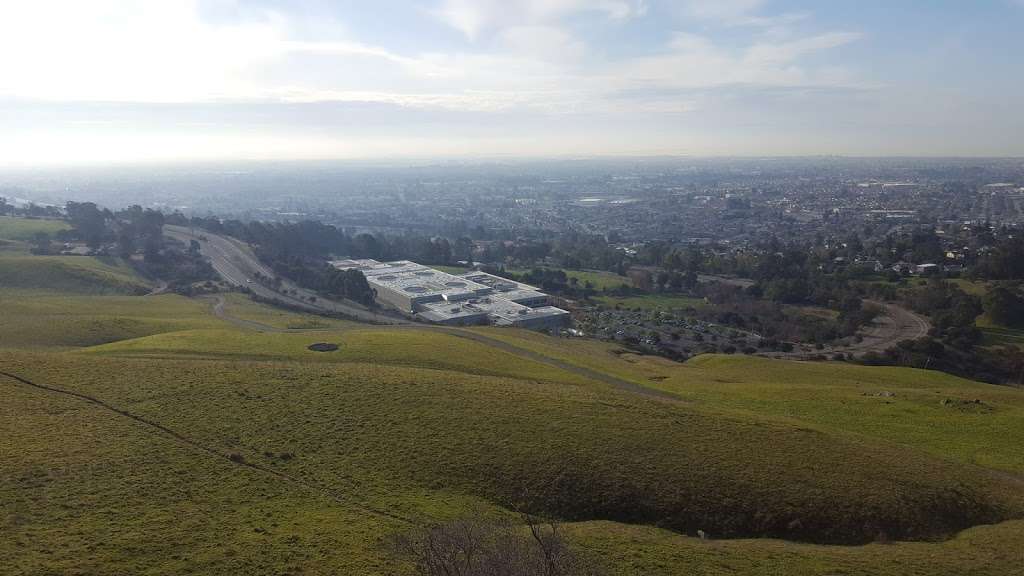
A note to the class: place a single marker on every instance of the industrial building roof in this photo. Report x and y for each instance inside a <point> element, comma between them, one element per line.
<point>470,296</point>
<point>508,289</point>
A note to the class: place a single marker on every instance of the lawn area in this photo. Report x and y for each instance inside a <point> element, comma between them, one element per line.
<point>599,279</point>
<point>651,301</point>
<point>23,229</point>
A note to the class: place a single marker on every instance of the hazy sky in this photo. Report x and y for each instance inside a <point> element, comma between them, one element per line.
<point>113,80</point>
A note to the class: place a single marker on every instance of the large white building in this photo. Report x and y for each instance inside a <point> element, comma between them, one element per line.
<point>464,299</point>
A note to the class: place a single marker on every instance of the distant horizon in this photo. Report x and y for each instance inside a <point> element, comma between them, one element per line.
<point>112,82</point>
<point>409,161</point>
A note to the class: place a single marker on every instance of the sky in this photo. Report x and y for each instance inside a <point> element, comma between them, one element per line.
<point>124,81</point>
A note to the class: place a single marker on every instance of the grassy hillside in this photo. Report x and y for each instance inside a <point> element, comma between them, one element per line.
<point>200,445</point>
<point>69,274</point>
<point>381,346</point>
<point>575,451</point>
<point>924,409</point>
<point>34,319</point>
<point>23,229</point>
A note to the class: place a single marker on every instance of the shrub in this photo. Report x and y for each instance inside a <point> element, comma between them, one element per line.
<point>471,547</point>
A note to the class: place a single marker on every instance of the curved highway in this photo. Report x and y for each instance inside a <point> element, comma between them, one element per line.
<point>237,265</point>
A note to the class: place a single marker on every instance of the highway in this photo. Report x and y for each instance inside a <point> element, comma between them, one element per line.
<point>239,266</point>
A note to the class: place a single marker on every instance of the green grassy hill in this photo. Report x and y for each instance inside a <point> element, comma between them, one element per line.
<point>192,443</point>
<point>23,229</point>
<point>69,274</point>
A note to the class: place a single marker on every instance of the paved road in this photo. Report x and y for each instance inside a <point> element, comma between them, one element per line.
<point>237,265</point>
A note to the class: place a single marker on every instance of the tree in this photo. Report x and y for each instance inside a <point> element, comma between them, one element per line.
<point>41,243</point>
<point>125,244</point>
<point>88,221</point>
<point>1004,306</point>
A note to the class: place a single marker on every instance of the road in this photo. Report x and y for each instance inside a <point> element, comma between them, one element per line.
<point>894,325</point>
<point>237,265</point>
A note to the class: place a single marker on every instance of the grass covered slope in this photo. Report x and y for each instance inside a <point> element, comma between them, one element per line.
<point>44,319</point>
<point>382,346</point>
<point>572,451</point>
<point>925,410</point>
<point>280,460</point>
<point>69,274</point>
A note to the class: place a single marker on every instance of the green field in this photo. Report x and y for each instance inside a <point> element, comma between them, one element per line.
<point>201,444</point>
<point>651,302</point>
<point>23,229</point>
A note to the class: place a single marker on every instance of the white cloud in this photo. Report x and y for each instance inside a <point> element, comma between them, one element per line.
<point>720,9</point>
<point>163,51</point>
<point>695,62</point>
<point>473,17</point>
<point>739,13</point>
<point>543,42</point>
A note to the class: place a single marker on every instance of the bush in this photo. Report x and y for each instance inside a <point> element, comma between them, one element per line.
<point>471,547</point>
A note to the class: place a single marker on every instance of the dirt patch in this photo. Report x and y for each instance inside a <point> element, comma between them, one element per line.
<point>323,347</point>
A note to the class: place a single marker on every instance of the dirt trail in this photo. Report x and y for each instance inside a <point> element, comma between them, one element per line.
<point>160,429</point>
<point>896,324</point>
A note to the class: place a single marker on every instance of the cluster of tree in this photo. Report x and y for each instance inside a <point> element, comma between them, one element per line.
<point>953,344</point>
<point>551,280</point>
<point>952,311</point>
<point>995,365</point>
<point>772,320</point>
<point>181,268</point>
<point>318,241</point>
<point>126,233</point>
<point>1004,262</point>
<point>318,275</point>
<point>661,280</point>
<point>1004,305</point>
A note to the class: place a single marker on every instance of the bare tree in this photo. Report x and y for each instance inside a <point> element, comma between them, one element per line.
<point>473,547</point>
